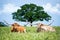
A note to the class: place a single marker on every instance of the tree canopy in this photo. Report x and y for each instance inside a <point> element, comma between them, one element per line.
<point>31,12</point>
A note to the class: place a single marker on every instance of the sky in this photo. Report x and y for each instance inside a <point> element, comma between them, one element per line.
<point>7,7</point>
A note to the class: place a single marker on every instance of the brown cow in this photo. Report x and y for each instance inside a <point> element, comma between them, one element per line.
<point>17,28</point>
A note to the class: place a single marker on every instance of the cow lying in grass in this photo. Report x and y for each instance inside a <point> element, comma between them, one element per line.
<point>42,27</point>
<point>17,28</point>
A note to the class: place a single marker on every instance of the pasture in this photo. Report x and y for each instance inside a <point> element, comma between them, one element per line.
<point>6,34</point>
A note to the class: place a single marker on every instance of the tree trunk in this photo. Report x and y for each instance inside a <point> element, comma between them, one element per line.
<point>31,23</point>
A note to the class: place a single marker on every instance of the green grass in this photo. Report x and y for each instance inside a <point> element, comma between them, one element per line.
<point>6,34</point>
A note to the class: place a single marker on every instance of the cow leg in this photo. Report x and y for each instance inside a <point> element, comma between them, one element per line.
<point>24,31</point>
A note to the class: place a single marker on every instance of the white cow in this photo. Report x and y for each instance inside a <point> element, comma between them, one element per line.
<point>45,28</point>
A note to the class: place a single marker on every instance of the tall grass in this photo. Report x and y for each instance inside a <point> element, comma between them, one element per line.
<point>6,34</point>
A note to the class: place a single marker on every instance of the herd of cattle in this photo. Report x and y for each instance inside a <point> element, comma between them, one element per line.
<point>40,27</point>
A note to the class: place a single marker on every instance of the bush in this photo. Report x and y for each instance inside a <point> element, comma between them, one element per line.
<point>2,24</point>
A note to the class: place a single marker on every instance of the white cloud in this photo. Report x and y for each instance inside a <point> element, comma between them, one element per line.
<point>58,5</point>
<point>52,9</point>
<point>9,8</point>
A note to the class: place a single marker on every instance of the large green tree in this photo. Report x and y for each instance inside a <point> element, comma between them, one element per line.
<point>31,12</point>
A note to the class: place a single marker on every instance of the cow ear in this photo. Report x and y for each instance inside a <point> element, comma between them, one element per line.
<point>12,24</point>
<point>41,24</point>
<point>18,25</point>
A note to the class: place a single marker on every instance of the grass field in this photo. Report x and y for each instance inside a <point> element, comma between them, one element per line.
<point>6,34</point>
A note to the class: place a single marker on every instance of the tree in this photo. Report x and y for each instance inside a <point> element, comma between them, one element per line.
<point>2,24</point>
<point>31,12</point>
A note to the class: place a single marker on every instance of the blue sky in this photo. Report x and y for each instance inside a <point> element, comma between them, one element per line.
<point>7,7</point>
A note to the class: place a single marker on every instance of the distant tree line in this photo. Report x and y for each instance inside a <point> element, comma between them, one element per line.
<point>2,24</point>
